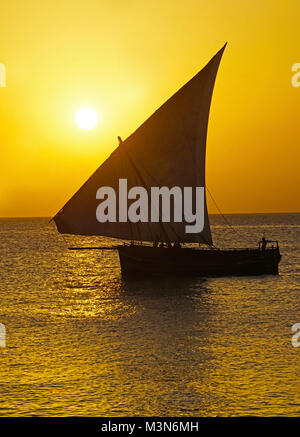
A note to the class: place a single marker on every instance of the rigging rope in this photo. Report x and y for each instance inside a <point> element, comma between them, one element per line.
<point>224,218</point>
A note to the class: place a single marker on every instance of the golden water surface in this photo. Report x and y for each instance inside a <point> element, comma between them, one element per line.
<point>82,341</point>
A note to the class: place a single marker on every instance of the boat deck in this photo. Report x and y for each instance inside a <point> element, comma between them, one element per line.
<point>138,260</point>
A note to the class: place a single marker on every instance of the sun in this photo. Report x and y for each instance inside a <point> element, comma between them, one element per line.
<point>86,118</point>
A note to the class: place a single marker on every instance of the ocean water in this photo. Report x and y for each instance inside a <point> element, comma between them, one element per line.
<point>82,341</point>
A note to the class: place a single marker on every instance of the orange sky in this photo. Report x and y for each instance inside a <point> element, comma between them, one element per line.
<point>125,58</point>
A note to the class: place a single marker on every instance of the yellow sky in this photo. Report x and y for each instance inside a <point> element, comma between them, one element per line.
<point>125,58</point>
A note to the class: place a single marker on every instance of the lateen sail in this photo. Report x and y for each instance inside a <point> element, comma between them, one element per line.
<point>168,150</point>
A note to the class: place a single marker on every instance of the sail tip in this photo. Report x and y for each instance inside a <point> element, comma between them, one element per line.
<point>221,51</point>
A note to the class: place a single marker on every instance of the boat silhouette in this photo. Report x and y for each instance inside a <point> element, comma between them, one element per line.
<point>167,150</point>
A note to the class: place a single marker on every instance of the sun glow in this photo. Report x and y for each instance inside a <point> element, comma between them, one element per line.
<point>86,118</point>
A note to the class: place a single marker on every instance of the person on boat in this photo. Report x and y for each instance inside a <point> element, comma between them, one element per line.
<point>120,140</point>
<point>263,244</point>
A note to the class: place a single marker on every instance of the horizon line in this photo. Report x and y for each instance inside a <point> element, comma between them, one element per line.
<point>224,213</point>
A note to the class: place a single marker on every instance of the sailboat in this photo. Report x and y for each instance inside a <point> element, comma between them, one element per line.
<point>167,150</point>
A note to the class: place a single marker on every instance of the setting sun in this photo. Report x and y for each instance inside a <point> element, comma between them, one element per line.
<point>86,118</point>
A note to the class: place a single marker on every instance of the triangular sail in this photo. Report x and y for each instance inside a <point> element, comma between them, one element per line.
<point>168,149</point>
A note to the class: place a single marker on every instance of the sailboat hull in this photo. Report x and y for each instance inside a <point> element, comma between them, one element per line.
<point>147,261</point>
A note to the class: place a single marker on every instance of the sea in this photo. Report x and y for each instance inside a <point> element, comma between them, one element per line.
<point>81,341</point>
